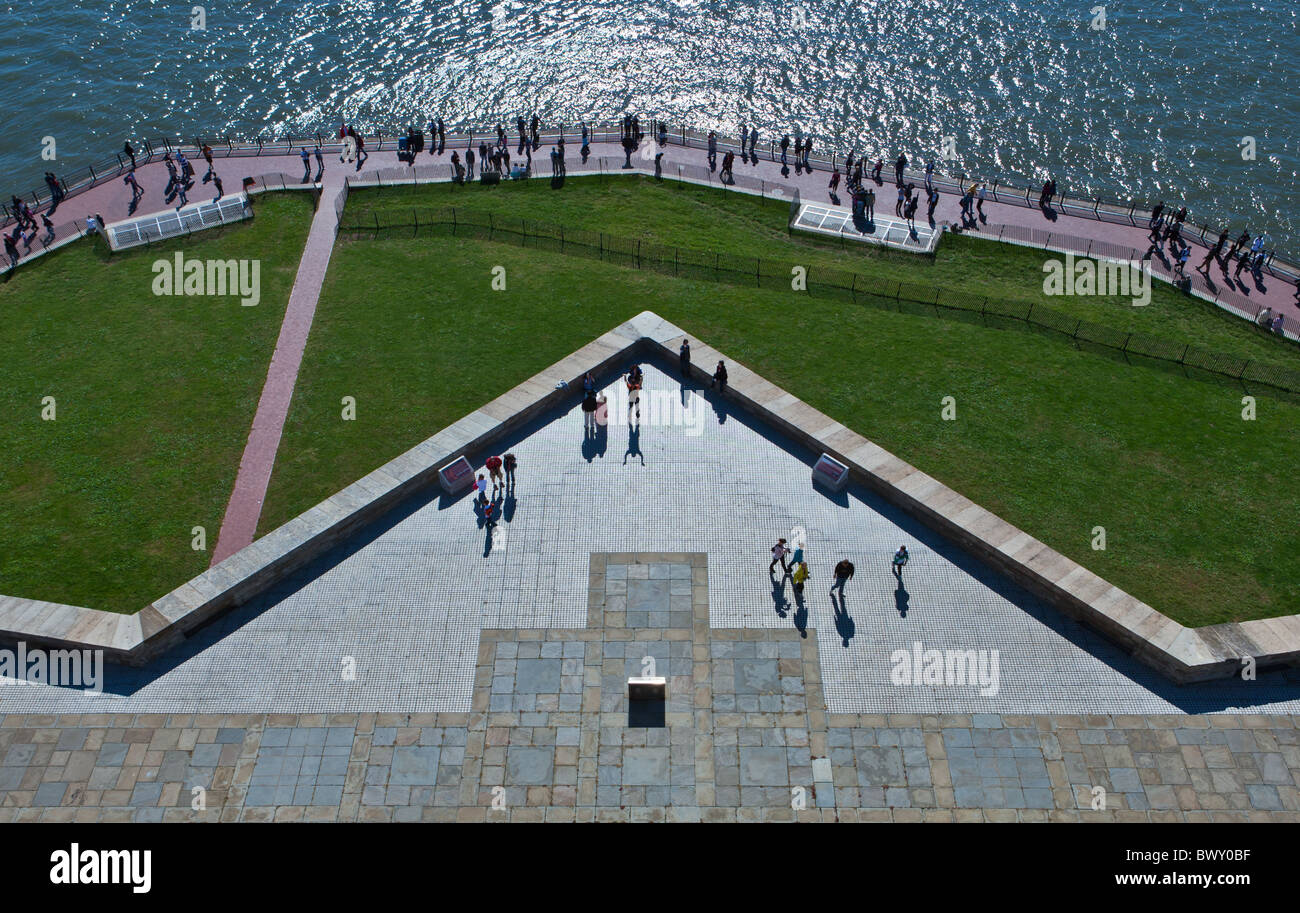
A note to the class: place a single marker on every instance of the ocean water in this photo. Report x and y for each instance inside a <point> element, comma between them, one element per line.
<point>1155,105</point>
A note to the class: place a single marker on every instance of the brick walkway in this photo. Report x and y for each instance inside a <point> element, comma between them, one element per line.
<point>239,525</point>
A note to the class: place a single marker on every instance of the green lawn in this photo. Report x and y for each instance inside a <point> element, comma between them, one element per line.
<point>1197,503</point>
<point>154,399</point>
<point>702,218</point>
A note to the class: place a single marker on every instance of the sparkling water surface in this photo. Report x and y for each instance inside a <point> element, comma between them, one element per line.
<point>1155,105</point>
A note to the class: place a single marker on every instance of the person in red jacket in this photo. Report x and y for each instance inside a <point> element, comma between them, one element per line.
<point>493,465</point>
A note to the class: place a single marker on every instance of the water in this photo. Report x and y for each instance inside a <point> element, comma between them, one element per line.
<point>1155,105</point>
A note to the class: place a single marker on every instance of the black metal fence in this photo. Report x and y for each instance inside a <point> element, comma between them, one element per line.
<point>908,297</point>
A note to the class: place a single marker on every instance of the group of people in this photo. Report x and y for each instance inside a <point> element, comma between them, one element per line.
<point>1274,322</point>
<point>180,178</point>
<point>494,158</point>
<point>499,476</point>
<point>797,567</point>
<point>26,229</point>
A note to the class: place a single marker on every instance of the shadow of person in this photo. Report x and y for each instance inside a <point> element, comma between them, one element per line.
<point>557,182</point>
<point>487,539</point>
<point>778,595</point>
<point>900,598</point>
<point>634,444</point>
<point>843,621</point>
<point>1049,212</point>
<point>720,409</point>
<point>800,614</point>
<point>479,517</point>
<point>590,445</point>
<point>508,507</point>
<point>835,199</point>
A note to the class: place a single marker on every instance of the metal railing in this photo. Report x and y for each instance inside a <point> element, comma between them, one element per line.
<point>1195,282</point>
<point>1001,190</point>
<point>724,267</point>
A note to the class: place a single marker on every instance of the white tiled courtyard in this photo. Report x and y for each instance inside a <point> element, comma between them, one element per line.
<point>403,605</point>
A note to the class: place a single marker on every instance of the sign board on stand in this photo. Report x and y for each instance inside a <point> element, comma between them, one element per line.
<point>456,476</point>
<point>830,473</point>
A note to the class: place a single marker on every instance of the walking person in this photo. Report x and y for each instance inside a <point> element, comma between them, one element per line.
<point>1156,212</point>
<point>469,163</point>
<point>320,165</point>
<point>934,201</point>
<point>634,381</point>
<point>785,145</point>
<point>869,205</point>
<point>807,151</point>
<point>56,190</point>
<point>1212,255</point>
<point>207,157</point>
<point>979,205</point>
<point>753,141</point>
<point>909,211</point>
<point>779,551</point>
<point>136,190</point>
<point>130,151</point>
<point>216,182</point>
<point>713,151</point>
<point>799,577</point>
<point>876,169</point>
<point>744,136</point>
<point>898,207</point>
<point>843,573</point>
<point>834,185</point>
<point>899,165</point>
<point>900,561</point>
<point>306,164</point>
<point>589,405</point>
<point>362,155</point>
<point>510,463</point>
<point>48,239</point>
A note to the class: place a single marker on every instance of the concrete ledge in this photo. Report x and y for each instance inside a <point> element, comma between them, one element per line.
<point>1181,654</point>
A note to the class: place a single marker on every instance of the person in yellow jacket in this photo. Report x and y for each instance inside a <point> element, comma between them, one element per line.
<point>800,576</point>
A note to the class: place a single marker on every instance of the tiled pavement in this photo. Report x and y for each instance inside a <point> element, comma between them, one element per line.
<point>744,735</point>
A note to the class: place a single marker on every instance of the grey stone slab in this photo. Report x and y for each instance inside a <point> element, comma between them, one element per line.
<point>414,766</point>
<point>646,767</point>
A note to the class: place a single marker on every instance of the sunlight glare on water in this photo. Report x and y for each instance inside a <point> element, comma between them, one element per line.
<point>1153,105</point>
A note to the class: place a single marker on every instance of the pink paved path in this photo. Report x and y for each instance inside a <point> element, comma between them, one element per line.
<point>111,200</point>
<point>239,527</point>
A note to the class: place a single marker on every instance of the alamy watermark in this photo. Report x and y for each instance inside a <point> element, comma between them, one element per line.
<point>179,276</point>
<point>1111,278</point>
<point>82,669</point>
<point>656,408</point>
<point>950,668</point>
